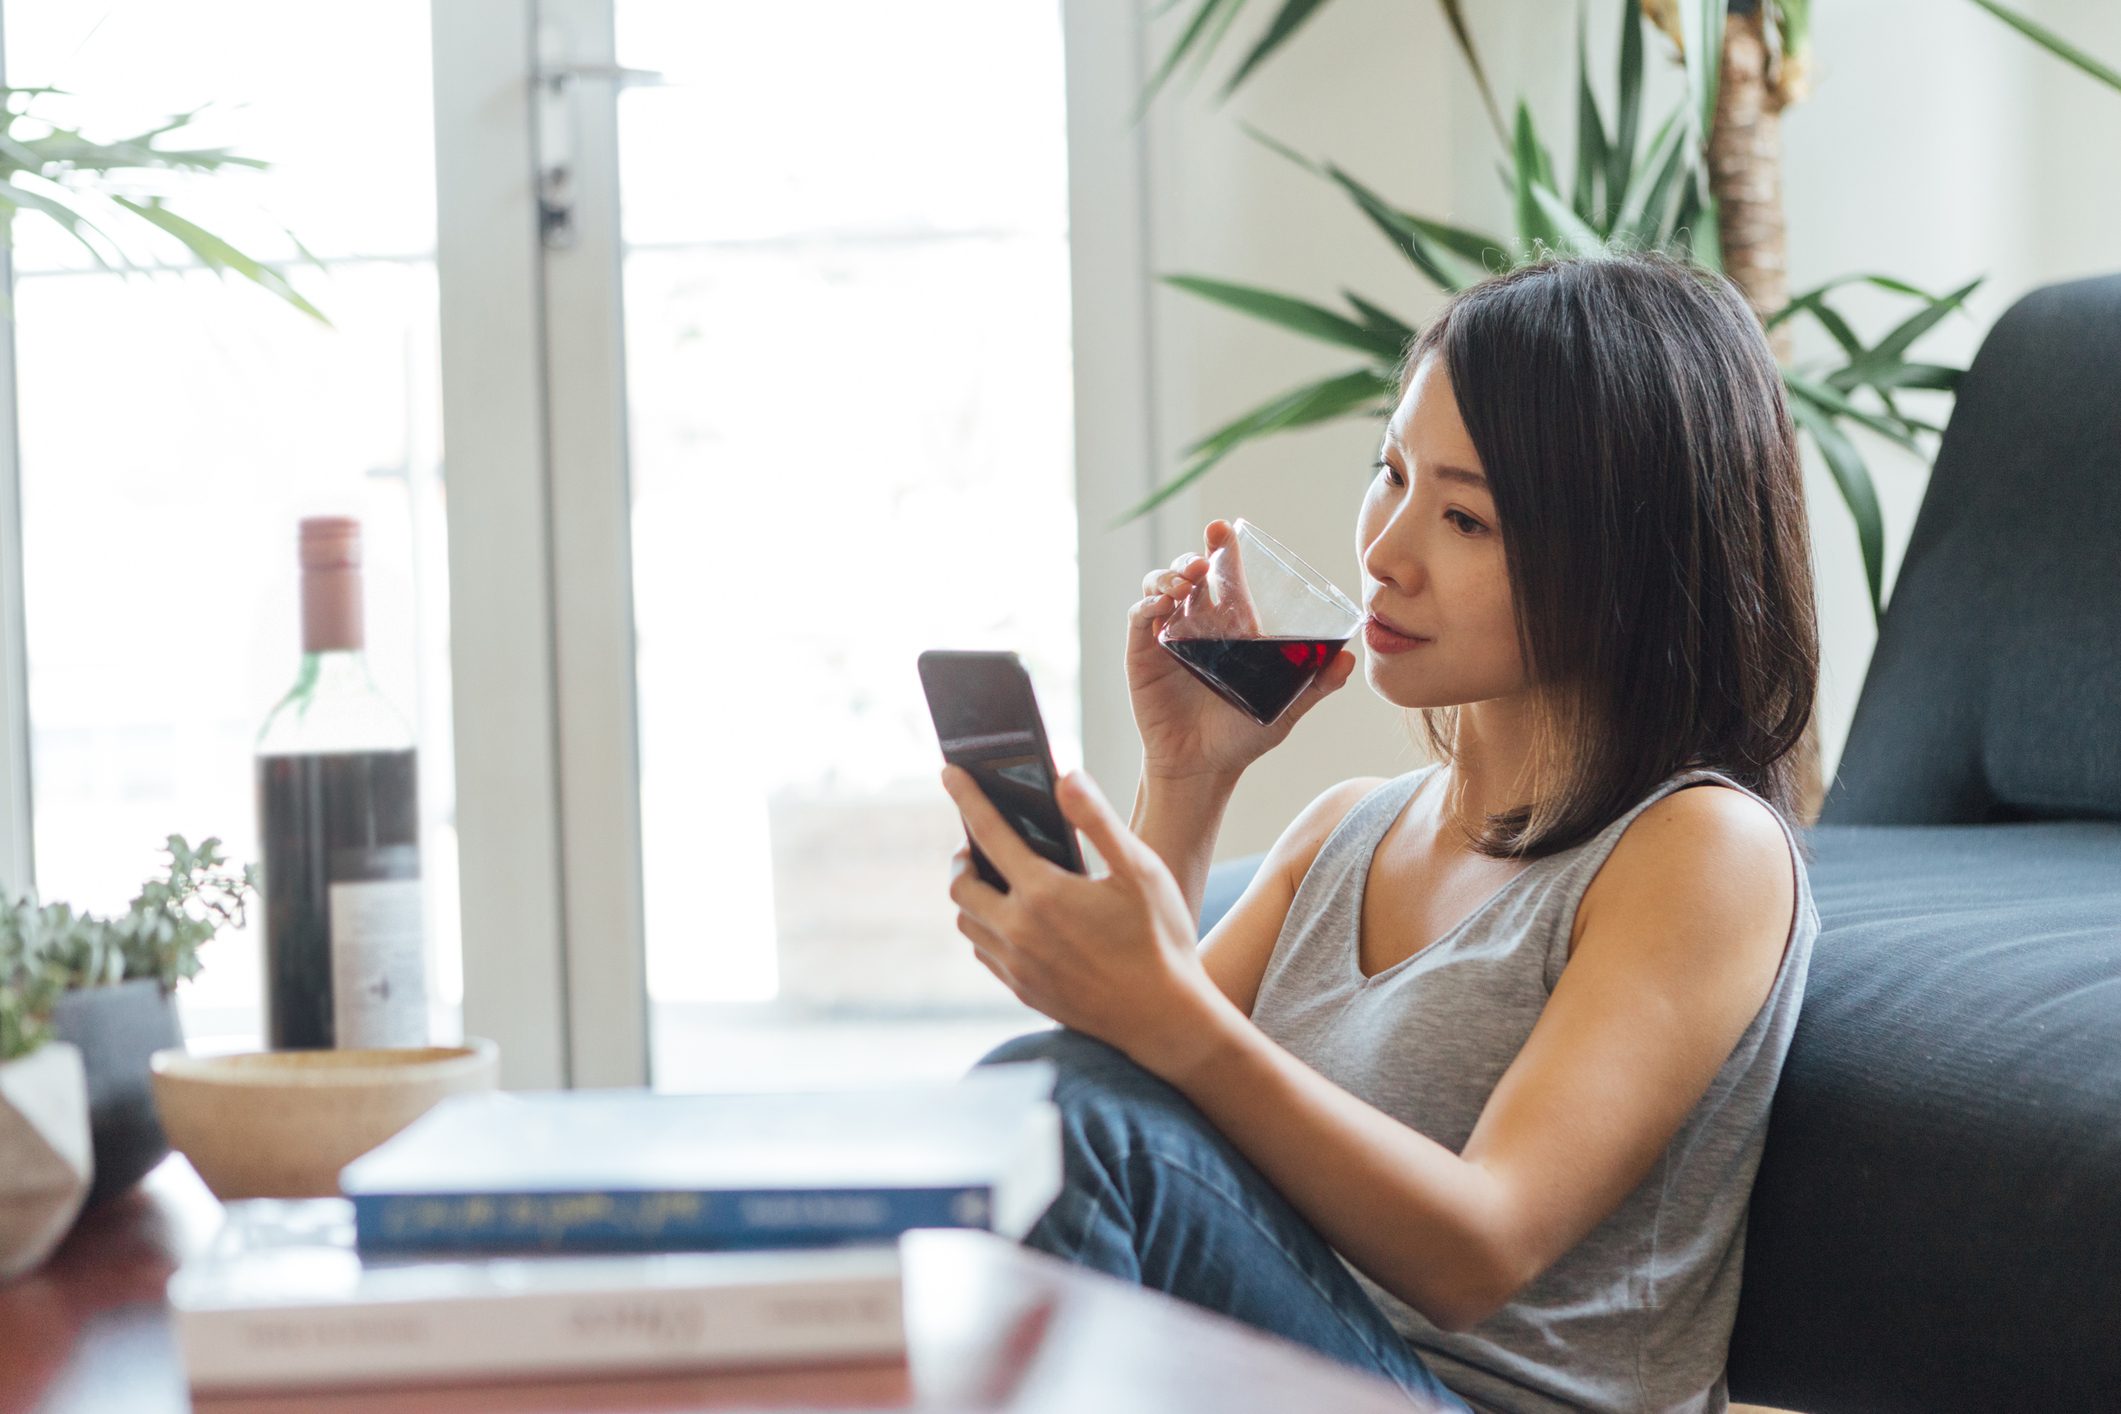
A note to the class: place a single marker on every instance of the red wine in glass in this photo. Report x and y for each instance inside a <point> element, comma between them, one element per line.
<point>1258,676</point>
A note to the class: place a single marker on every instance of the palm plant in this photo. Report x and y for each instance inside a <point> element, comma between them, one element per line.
<point>108,196</point>
<point>1688,188</point>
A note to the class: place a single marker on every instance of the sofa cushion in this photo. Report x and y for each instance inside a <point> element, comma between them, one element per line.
<point>1937,1220</point>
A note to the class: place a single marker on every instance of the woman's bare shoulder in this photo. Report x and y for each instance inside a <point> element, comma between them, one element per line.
<point>1697,844</point>
<point>1308,832</point>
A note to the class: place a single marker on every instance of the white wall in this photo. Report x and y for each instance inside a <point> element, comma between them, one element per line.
<point>1937,145</point>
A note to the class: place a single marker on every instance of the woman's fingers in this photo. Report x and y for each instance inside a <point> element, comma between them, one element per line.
<point>1164,589</point>
<point>1086,808</point>
<point>1185,572</point>
<point>983,937</point>
<point>998,840</point>
<point>1330,680</point>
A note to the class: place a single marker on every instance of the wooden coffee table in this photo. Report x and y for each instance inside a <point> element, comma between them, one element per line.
<point>990,1326</point>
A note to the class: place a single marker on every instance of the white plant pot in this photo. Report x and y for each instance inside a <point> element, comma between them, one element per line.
<point>45,1159</point>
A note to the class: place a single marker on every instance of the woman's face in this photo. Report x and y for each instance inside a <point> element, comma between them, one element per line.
<point>1432,559</point>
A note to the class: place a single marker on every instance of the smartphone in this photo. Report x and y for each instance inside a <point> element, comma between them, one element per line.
<point>987,721</point>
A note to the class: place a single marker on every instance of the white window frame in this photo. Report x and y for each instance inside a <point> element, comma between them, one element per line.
<point>540,576</point>
<point>1118,442</point>
<point>18,859</point>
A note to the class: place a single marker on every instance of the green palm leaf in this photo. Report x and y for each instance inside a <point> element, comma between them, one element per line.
<point>1290,19</point>
<point>1434,248</point>
<point>1827,317</point>
<point>2053,43</point>
<point>1882,358</point>
<point>1569,230</point>
<point>1829,400</point>
<point>1424,242</point>
<point>1530,170</point>
<point>1883,282</point>
<point>1362,389</point>
<point>1300,316</point>
<point>1917,375</point>
<point>1620,156</point>
<point>1454,15</point>
<point>16,197</point>
<point>217,254</point>
<point>1591,156</point>
<point>1643,210</point>
<point>1854,479</point>
<point>79,171</point>
<point>1701,23</point>
<point>1696,220</point>
<point>1383,322</point>
<point>1192,37</point>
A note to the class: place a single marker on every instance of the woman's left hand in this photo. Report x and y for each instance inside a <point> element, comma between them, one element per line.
<point>1114,957</point>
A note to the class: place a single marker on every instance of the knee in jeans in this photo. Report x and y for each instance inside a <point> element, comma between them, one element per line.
<point>1105,1098</point>
<point>1070,1051</point>
<point>1078,1060</point>
<point>1034,1045</point>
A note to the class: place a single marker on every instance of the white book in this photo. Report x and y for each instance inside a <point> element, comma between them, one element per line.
<point>282,1301</point>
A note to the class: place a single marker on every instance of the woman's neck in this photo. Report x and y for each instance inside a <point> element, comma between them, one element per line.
<point>1492,772</point>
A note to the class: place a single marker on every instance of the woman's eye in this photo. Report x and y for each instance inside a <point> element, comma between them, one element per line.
<point>1391,476</point>
<point>1470,526</point>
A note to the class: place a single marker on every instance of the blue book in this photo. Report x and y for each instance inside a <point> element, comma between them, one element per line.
<point>634,1171</point>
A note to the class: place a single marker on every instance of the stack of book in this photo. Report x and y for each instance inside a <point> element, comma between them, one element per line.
<point>595,1233</point>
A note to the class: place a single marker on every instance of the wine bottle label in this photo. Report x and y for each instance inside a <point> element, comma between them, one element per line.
<point>378,950</point>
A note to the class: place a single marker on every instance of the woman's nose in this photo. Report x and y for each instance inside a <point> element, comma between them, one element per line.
<point>1393,558</point>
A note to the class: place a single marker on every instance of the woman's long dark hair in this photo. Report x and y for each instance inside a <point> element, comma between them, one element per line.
<point>1630,418</point>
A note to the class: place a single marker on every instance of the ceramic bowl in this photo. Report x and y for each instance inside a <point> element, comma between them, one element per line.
<point>281,1124</point>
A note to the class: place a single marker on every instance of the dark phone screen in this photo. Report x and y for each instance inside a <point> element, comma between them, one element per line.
<point>988,723</point>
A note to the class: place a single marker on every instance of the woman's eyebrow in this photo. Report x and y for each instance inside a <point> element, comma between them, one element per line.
<point>1446,473</point>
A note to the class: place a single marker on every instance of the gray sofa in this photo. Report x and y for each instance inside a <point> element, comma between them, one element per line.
<point>1936,1224</point>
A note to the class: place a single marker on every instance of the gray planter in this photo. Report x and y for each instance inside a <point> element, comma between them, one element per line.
<point>116,1029</point>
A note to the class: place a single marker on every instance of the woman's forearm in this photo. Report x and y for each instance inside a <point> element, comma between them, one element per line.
<point>1179,819</point>
<point>1415,1217</point>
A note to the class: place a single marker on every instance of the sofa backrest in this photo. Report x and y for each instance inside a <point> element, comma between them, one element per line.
<point>1994,693</point>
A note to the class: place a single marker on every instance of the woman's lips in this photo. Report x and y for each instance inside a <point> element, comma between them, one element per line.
<point>1383,638</point>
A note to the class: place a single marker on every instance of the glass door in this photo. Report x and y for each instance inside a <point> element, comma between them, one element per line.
<point>841,240</point>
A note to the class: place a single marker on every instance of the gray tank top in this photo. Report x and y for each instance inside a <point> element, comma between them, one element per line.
<point>1638,1315</point>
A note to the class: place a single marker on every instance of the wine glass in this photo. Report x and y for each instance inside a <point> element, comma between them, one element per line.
<point>1261,626</point>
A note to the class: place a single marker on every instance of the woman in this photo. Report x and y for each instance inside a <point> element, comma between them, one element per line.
<point>1469,1087</point>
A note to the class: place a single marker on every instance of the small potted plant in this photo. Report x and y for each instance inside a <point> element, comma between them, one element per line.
<point>45,1158</point>
<point>116,979</point>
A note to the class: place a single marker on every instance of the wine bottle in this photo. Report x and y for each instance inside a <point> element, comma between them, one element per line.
<point>339,825</point>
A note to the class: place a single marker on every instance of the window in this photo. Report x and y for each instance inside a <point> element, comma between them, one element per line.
<point>848,387</point>
<point>174,427</point>
<point>798,405</point>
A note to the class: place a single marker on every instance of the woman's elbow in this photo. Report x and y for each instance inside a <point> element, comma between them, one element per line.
<point>1489,1280</point>
<point>1468,1310</point>
<point>1470,1293</point>
<point>1463,1315</point>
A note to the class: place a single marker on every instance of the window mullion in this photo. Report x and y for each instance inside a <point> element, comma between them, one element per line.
<point>586,411</point>
<point>500,538</point>
<point>17,858</point>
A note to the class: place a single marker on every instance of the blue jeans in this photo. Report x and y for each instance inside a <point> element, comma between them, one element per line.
<point>1153,1193</point>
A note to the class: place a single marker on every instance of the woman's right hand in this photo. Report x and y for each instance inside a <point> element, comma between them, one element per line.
<point>1187,729</point>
